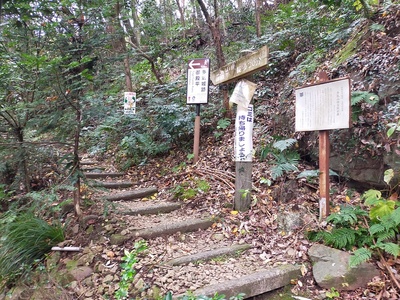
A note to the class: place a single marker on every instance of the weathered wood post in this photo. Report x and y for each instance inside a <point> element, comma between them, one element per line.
<point>243,157</point>
<point>324,154</point>
<point>234,71</point>
<point>196,144</point>
<point>323,106</point>
<point>198,77</point>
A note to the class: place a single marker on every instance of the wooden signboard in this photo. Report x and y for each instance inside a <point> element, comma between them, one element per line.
<point>323,106</point>
<point>242,67</point>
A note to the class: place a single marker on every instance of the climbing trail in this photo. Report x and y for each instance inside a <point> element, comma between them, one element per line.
<point>188,245</point>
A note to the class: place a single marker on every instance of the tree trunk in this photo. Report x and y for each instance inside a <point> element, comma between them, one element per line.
<point>181,9</point>
<point>76,162</point>
<point>213,24</point>
<point>128,76</point>
<point>258,18</point>
<point>136,25</point>
<point>196,15</point>
<point>123,49</point>
<point>23,162</point>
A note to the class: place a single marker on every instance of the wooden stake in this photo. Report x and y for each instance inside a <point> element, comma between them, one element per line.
<point>196,144</point>
<point>68,249</point>
<point>243,184</point>
<point>324,153</point>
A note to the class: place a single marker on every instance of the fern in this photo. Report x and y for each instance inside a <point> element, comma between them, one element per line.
<point>284,144</point>
<point>278,170</point>
<point>395,216</point>
<point>284,159</point>
<point>346,215</point>
<point>341,238</point>
<point>391,248</point>
<point>360,96</point>
<point>377,229</point>
<point>381,209</point>
<point>359,256</point>
<point>386,235</point>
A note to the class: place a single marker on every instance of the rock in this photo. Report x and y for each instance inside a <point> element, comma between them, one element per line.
<point>367,171</point>
<point>292,217</point>
<point>331,269</point>
<point>118,239</point>
<point>64,277</point>
<point>81,272</point>
<point>86,259</point>
<point>108,278</point>
<point>218,237</point>
<point>75,229</point>
<point>52,260</point>
<point>140,284</point>
<point>109,227</point>
<point>286,192</point>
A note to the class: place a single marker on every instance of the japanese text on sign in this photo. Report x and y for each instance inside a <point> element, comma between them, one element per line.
<point>244,66</point>
<point>197,81</point>
<point>129,103</point>
<point>244,134</point>
<point>323,106</point>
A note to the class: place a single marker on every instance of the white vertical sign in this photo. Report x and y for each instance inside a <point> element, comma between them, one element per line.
<point>129,103</point>
<point>244,134</point>
<point>198,77</point>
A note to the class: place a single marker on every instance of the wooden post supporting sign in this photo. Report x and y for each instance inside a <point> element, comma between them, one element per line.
<point>196,144</point>
<point>243,157</point>
<point>323,106</point>
<point>324,153</point>
<point>198,77</point>
<point>236,70</point>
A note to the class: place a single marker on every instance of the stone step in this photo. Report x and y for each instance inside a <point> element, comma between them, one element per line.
<point>88,163</point>
<point>97,175</point>
<point>111,185</point>
<point>171,228</point>
<point>254,284</point>
<point>152,209</point>
<point>207,255</point>
<point>94,168</point>
<point>131,195</point>
<point>163,230</point>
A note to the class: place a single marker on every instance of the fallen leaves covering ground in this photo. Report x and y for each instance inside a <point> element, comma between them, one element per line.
<point>264,226</point>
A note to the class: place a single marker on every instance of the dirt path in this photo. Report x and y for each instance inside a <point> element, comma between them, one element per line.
<point>192,245</point>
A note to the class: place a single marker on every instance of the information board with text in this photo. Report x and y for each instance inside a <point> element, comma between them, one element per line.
<point>323,106</point>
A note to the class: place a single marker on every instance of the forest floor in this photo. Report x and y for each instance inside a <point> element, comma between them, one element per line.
<point>275,237</point>
<point>207,188</point>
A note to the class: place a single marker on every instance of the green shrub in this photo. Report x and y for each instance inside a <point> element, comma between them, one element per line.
<point>372,229</point>
<point>282,157</point>
<point>24,239</point>
<point>128,271</point>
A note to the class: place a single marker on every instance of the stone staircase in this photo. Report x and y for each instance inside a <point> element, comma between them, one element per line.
<point>184,250</point>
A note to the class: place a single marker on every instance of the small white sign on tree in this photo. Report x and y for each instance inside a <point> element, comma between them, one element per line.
<point>129,103</point>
